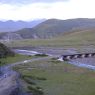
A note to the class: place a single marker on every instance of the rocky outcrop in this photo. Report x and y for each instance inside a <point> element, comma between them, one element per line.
<point>11,36</point>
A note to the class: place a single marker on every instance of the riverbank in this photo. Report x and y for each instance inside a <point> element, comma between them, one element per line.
<point>9,79</point>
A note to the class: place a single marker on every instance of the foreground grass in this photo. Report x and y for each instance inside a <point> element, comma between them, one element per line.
<point>16,58</point>
<point>52,77</point>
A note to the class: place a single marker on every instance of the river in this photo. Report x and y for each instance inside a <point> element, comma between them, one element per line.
<point>84,62</point>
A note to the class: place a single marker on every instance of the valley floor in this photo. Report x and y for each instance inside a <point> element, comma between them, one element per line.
<point>51,77</point>
<point>47,76</point>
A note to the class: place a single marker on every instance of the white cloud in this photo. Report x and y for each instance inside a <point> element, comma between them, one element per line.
<point>60,10</point>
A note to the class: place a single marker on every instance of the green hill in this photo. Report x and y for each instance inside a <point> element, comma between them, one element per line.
<point>71,39</point>
<point>80,38</point>
<point>52,28</point>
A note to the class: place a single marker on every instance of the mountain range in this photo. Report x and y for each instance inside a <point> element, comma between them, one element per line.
<point>10,25</point>
<point>51,28</point>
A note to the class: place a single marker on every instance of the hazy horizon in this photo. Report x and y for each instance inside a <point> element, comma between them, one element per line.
<point>41,19</point>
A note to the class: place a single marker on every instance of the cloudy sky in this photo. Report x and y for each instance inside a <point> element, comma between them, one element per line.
<point>37,9</point>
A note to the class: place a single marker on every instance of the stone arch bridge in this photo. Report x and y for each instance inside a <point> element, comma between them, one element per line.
<point>75,56</point>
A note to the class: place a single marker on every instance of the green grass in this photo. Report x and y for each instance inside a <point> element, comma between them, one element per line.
<point>16,58</point>
<point>73,39</point>
<point>60,78</point>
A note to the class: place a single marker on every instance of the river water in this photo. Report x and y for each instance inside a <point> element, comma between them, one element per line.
<point>84,62</point>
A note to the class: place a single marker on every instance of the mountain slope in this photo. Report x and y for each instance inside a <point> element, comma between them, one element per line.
<point>54,27</point>
<point>72,39</point>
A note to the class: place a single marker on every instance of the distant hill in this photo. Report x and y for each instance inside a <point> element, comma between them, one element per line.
<point>54,27</point>
<point>85,38</point>
<point>10,25</point>
<point>75,39</point>
<point>5,51</point>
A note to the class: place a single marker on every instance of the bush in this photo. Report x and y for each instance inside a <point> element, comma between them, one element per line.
<point>29,81</point>
<point>54,58</point>
<point>41,78</point>
<point>42,55</point>
<point>35,90</point>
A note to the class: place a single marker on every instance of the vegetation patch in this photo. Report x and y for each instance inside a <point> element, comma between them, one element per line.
<point>77,38</point>
<point>57,79</point>
<point>41,55</point>
<point>32,86</point>
<point>13,59</point>
<point>35,90</point>
<point>5,51</point>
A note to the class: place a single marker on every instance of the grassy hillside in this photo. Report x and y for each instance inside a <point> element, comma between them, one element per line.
<point>72,39</point>
<point>54,27</point>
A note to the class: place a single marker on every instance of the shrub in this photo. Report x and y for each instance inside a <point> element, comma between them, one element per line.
<point>29,81</point>
<point>35,90</point>
<point>42,55</point>
<point>41,78</point>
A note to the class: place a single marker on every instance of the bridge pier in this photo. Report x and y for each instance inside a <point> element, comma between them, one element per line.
<point>61,59</point>
<point>76,56</point>
<point>90,55</point>
<point>83,55</point>
<point>68,57</point>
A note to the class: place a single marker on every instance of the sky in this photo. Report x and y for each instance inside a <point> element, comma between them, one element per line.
<point>28,10</point>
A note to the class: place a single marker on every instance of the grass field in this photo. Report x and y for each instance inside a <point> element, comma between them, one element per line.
<point>16,58</point>
<point>73,39</point>
<point>52,77</point>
